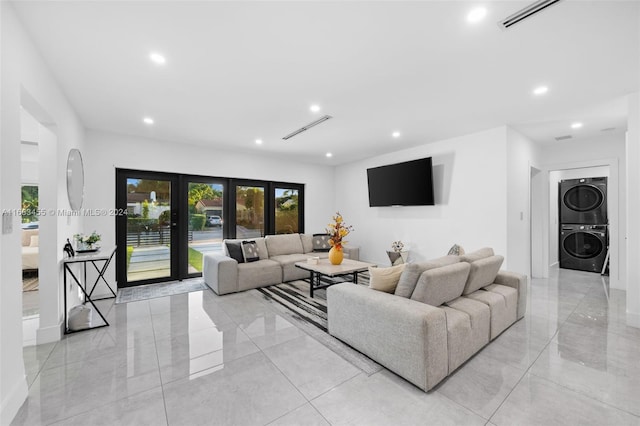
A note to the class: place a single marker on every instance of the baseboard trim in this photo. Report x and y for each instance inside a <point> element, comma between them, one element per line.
<point>49,334</point>
<point>13,401</point>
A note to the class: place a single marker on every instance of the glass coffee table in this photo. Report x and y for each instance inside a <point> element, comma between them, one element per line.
<point>324,268</point>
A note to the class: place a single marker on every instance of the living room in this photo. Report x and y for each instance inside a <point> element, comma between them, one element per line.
<point>483,168</point>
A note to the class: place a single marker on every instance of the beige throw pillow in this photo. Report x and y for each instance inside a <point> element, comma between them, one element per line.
<point>34,241</point>
<point>385,279</point>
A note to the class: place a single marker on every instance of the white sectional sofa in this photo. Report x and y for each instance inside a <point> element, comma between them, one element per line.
<point>441,313</point>
<point>277,257</point>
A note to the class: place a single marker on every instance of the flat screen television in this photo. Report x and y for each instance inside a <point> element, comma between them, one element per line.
<point>402,184</point>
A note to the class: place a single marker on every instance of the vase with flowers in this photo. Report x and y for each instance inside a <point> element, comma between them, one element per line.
<point>337,231</point>
<point>87,242</point>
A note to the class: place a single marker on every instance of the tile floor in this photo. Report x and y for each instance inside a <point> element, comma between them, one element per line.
<point>199,358</point>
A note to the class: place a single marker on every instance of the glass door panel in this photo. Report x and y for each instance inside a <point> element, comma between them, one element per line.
<point>249,211</point>
<point>205,222</point>
<point>287,213</point>
<point>148,229</point>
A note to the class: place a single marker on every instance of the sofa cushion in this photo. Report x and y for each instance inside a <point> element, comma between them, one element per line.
<point>290,271</point>
<point>34,241</point>
<point>307,242</point>
<point>440,285</point>
<point>283,244</point>
<point>503,304</point>
<point>321,242</point>
<point>476,255</point>
<point>412,272</point>
<point>468,323</point>
<point>258,274</point>
<point>250,251</point>
<point>482,273</point>
<point>385,279</point>
<point>234,250</point>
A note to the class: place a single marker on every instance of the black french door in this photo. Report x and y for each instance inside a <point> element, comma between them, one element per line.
<point>147,235</point>
<point>174,220</point>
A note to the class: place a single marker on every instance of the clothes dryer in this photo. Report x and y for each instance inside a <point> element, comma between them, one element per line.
<point>583,247</point>
<point>583,201</point>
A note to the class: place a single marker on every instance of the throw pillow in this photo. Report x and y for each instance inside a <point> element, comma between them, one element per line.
<point>34,241</point>
<point>235,251</point>
<point>250,251</point>
<point>321,242</point>
<point>385,279</point>
<point>456,250</point>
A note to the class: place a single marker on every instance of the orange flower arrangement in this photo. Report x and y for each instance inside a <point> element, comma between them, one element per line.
<point>337,231</point>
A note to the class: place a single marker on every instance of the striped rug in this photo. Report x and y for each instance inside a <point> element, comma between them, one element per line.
<point>292,299</point>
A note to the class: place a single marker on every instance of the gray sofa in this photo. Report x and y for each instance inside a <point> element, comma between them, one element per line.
<point>278,255</point>
<point>442,312</point>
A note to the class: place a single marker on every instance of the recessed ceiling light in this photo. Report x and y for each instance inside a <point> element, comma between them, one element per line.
<point>148,120</point>
<point>314,108</point>
<point>395,134</point>
<point>576,125</point>
<point>540,90</point>
<point>329,155</point>
<point>157,58</point>
<point>476,15</point>
<point>259,141</point>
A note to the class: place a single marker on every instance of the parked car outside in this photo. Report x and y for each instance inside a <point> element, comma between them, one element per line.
<point>214,221</point>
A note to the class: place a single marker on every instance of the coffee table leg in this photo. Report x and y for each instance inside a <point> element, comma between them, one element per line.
<point>311,274</point>
<point>355,277</point>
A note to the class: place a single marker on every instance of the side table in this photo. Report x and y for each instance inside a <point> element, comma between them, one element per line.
<point>103,255</point>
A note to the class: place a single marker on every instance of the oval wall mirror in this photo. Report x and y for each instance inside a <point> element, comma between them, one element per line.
<point>75,179</point>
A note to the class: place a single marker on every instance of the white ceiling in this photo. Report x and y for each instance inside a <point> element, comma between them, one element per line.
<point>237,71</point>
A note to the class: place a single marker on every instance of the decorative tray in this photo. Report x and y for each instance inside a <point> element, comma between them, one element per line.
<point>88,250</point>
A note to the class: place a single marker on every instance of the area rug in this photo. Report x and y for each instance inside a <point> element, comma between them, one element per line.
<point>292,299</point>
<point>152,291</point>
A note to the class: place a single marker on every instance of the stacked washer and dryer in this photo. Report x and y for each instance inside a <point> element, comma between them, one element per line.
<point>583,224</point>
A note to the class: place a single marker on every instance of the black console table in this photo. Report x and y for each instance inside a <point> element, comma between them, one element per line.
<point>100,261</point>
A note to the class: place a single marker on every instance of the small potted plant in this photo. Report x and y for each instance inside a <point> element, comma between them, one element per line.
<point>87,242</point>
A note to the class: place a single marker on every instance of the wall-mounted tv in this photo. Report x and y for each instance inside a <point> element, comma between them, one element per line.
<point>402,184</point>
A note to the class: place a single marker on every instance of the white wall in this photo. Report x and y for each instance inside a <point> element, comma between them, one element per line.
<point>470,192</point>
<point>25,80</point>
<point>107,151</point>
<point>522,153</point>
<point>608,150</point>
<point>632,231</point>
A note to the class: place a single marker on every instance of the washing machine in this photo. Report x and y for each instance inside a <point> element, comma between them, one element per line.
<point>583,247</point>
<point>583,201</point>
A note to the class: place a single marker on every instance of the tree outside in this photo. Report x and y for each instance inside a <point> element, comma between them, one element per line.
<point>29,203</point>
<point>286,211</point>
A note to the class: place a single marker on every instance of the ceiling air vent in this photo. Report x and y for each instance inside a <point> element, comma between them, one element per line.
<point>307,127</point>
<point>522,14</point>
<point>563,138</point>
